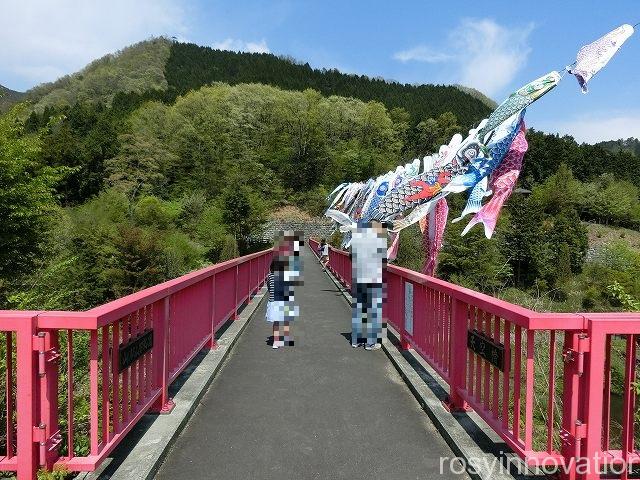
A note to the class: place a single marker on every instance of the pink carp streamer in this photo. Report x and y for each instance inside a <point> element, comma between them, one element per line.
<point>392,251</point>
<point>502,182</point>
<point>432,227</point>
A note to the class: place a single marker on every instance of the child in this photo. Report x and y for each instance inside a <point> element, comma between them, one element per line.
<point>280,308</point>
<point>324,252</point>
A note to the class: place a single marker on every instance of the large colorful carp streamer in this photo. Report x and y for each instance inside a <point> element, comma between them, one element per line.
<point>487,163</point>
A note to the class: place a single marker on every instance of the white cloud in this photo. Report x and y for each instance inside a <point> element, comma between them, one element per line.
<point>422,53</point>
<point>41,40</point>
<point>242,46</point>
<point>486,55</point>
<point>596,127</point>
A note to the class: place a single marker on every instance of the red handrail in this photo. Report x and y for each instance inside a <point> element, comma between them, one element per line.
<point>168,324</point>
<point>551,402</point>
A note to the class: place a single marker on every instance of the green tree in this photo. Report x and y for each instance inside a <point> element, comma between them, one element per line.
<point>27,202</point>
<point>229,248</point>
<point>473,261</point>
<point>243,213</point>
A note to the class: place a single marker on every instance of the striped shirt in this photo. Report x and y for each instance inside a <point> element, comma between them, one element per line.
<point>279,289</point>
<point>270,285</point>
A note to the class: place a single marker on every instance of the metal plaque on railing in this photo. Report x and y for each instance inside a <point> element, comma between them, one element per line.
<point>131,351</point>
<point>486,347</point>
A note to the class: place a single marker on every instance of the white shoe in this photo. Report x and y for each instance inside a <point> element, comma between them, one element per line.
<point>374,346</point>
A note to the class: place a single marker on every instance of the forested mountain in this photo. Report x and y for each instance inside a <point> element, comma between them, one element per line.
<point>167,156</point>
<point>631,145</point>
<point>8,97</point>
<point>191,66</point>
<point>176,68</point>
<point>492,104</point>
<point>137,68</point>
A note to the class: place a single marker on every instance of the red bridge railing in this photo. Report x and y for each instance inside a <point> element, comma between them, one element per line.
<point>155,333</point>
<point>560,388</point>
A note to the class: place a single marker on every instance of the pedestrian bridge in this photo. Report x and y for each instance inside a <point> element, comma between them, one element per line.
<point>556,390</point>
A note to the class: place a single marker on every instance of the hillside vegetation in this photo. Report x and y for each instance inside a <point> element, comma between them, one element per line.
<point>137,68</point>
<point>169,156</point>
<point>191,66</point>
<point>176,68</point>
<point>631,145</point>
<point>8,98</point>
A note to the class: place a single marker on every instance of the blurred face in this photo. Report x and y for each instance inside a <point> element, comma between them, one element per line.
<point>377,226</point>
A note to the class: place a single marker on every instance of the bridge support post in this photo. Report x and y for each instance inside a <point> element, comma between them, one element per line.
<point>457,356</point>
<point>49,397</point>
<point>27,398</point>
<point>570,448</point>
<point>593,396</point>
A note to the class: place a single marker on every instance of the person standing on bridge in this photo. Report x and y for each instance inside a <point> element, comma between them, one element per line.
<point>368,256</point>
<point>284,273</point>
<point>324,252</point>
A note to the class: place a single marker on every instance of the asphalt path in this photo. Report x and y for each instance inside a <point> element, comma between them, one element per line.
<point>320,409</point>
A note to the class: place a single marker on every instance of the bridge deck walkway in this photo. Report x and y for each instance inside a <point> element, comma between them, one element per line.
<point>320,409</point>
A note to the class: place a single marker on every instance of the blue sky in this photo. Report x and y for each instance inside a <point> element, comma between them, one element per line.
<point>495,46</point>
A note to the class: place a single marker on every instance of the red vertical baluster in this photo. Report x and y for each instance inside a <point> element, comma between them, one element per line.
<point>213,309</point>
<point>472,356</point>
<point>552,391</point>
<point>446,321</point>
<point>70,387</point>
<point>147,357</point>
<point>456,364</point>
<point>487,366</point>
<point>437,315</point>
<point>135,368</point>
<point>235,302</point>
<point>606,410</point>
<point>517,377</point>
<point>250,281</point>
<point>506,385</point>
<point>8,393</point>
<point>428,321</point>
<point>115,376</point>
<point>528,438</point>
<point>495,380</point>
<point>628,410</point>
<point>125,375</point>
<point>105,384</point>
<point>479,328</point>
<point>142,372</point>
<point>93,371</point>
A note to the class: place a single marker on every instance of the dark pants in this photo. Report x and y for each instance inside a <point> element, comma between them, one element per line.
<point>366,321</point>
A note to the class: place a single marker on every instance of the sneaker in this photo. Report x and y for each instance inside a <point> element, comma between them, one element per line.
<point>373,346</point>
<point>275,345</point>
<point>356,345</point>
